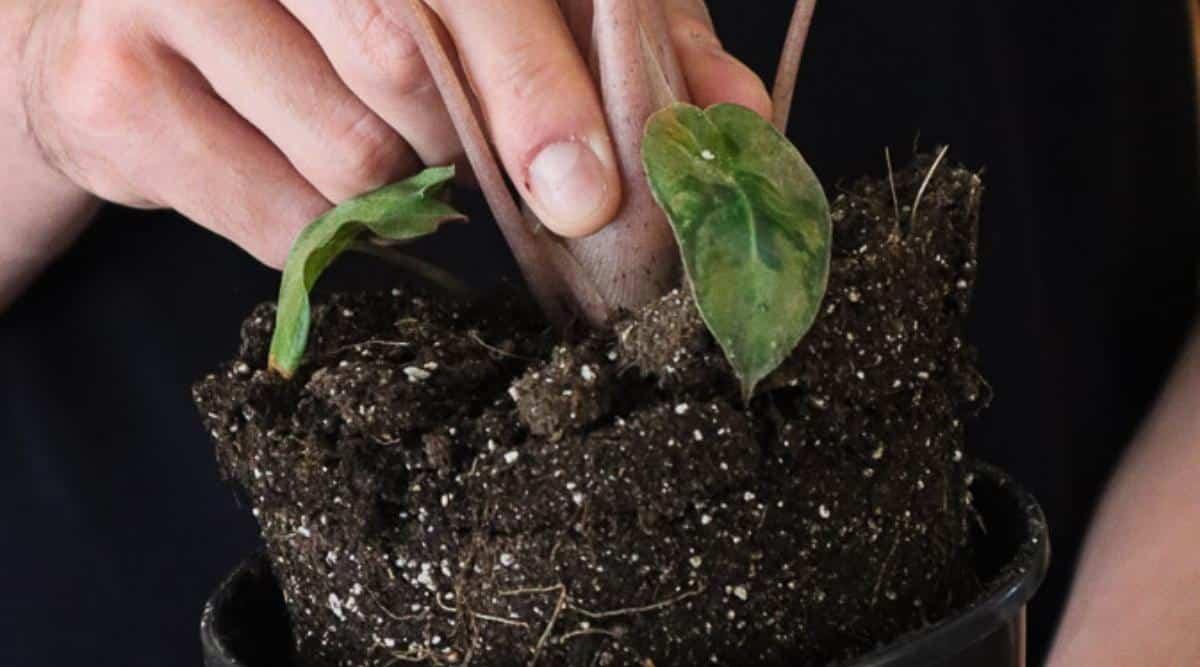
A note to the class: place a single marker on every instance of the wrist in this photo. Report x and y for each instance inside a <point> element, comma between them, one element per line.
<point>44,210</point>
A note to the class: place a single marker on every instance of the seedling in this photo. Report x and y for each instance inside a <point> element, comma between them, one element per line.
<point>719,191</point>
<point>398,212</point>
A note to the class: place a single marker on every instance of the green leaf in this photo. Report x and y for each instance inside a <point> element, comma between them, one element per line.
<point>752,223</point>
<point>401,211</point>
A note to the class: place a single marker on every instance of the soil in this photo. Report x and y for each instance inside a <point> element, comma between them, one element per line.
<point>450,483</point>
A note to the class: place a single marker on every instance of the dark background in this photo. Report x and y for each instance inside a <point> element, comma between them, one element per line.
<point>115,526</point>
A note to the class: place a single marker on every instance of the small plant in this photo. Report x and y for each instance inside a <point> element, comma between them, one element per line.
<point>747,217</point>
<point>753,227</point>
<point>398,212</point>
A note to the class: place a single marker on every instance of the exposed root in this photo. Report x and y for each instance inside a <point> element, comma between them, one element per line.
<point>925,184</point>
<point>532,591</point>
<point>884,568</point>
<point>887,156</point>
<point>396,617</point>
<point>628,611</point>
<point>558,609</point>
<point>474,335</point>
<point>564,605</point>
<point>480,615</point>
<point>566,636</point>
<point>373,341</point>
<point>420,655</point>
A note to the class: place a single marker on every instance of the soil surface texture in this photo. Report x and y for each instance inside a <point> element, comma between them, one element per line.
<point>449,483</point>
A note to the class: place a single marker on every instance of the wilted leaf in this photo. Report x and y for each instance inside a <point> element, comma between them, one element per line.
<point>753,226</point>
<point>400,211</point>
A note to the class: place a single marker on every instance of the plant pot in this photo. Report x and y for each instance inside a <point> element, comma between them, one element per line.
<point>245,623</point>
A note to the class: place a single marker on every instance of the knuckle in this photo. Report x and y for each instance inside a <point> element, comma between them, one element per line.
<point>80,94</point>
<point>370,154</point>
<point>528,74</point>
<point>101,88</point>
<point>691,31</point>
<point>386,55</point>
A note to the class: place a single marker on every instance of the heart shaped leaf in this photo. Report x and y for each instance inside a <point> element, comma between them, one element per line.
<point>752,223</point>
<point>401,211</point>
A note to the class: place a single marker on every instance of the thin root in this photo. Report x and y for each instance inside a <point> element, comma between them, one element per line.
<point>374,341</point>
<point>887,155</point>
<point>396,617</point>
<point>558,608</point>
<point>480,615</point>
<point>925,184</point>
<point>638,610</point>
<point>563,638</point>
<point>884,568</point>
<point>532,591</point>
<point>474,335</point>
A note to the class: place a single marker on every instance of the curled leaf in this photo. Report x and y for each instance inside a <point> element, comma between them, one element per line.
<point>400,211</point>
<point>753,226</point>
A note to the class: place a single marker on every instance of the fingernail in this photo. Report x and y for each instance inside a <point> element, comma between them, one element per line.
<point>570,183</point>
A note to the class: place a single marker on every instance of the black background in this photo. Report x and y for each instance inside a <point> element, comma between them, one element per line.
<point>115,526</point>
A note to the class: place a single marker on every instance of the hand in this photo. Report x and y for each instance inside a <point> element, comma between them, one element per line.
<point>252,116</point>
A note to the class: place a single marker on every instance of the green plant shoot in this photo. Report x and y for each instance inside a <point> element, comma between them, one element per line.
<point>401,211</point>
<point>753,226</point>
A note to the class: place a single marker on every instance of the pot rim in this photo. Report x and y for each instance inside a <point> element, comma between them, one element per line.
<point>1004,598</point>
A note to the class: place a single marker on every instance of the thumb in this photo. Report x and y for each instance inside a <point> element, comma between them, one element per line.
<point>542,108</point>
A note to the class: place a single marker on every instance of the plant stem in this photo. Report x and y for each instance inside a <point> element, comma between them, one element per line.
<point>555,283</point>
<point>789,62</point>
<point>634,259</point>
<point>418,267</point>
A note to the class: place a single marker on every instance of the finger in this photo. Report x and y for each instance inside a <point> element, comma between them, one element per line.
<point>261,61</point>
<point>208,163</point>
<point>374,54</point>
<point>542,109</point>
<point>713,76</point>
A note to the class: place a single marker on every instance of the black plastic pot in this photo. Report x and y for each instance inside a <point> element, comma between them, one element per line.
<point>245,624</point>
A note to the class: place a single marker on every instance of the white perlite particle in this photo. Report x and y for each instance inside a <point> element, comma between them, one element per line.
<point>823,511</point>
<point>681,409</point>
<point>741,593</point>
<point>507,559</point>
<point>696,561</point>
<point>416,374</point>
<point>708,155</point>
<point>425,578</point>
<point>511,456</point>
<point>587,373</point>
<point>335,605</point>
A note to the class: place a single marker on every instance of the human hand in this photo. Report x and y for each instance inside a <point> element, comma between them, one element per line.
<point>252,116</point>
